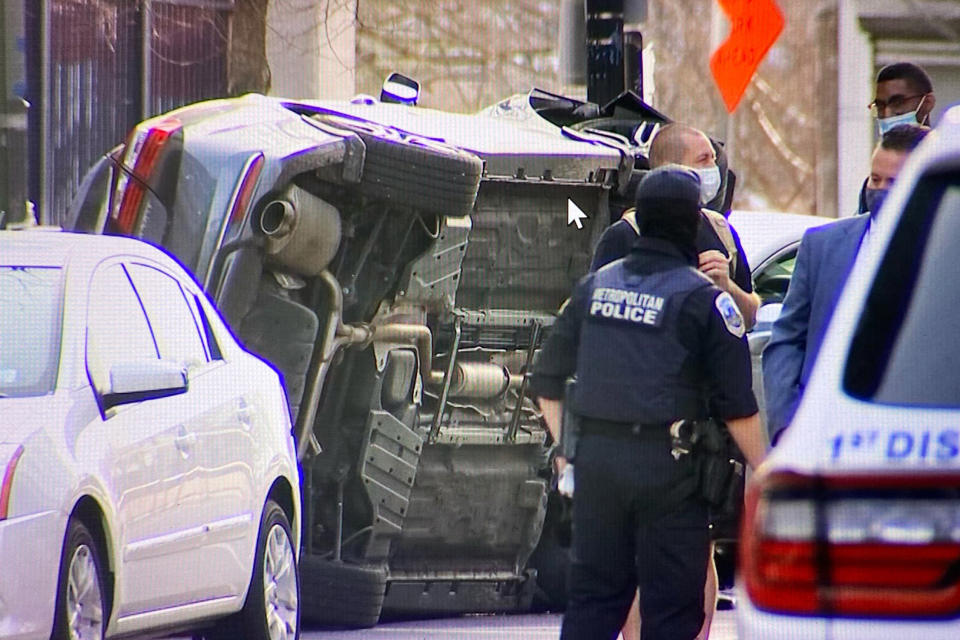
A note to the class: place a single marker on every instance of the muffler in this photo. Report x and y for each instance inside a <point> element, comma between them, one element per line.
<point>303,231</point>
<point>479,380</point>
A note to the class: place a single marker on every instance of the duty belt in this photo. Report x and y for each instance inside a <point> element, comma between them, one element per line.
<point>593,426</point>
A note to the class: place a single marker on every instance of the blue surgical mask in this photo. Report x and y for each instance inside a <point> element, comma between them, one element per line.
<point>874,199</point>
<point>709,183</point>
<point>885,124</point>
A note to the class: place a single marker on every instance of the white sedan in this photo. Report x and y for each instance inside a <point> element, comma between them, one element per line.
<point>149,475</point>
<point>770,240</point>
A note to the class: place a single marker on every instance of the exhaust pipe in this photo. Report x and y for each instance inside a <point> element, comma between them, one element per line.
<point>303,231</point>
<point>277,219</point>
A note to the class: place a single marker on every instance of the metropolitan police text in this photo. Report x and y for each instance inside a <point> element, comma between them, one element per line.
<point>632,306</point>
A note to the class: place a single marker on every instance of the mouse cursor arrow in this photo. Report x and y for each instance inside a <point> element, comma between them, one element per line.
<point>575,214</point>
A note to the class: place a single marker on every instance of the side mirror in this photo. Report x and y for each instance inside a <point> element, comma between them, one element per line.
<point>138,380</point>
<point>399,89</point>
<point>759,336</point>
<point>767,314</point>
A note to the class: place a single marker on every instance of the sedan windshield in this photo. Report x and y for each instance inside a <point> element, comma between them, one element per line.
<point>30,303</point>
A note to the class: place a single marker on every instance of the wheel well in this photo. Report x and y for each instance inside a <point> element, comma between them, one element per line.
<point>88,511</point>
<point>282,493</point>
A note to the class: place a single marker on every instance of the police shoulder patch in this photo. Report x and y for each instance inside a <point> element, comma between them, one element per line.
<point>732,318</point>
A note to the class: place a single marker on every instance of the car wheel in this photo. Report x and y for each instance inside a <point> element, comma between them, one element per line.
<point>272,608</point>
<point>82,608</point>
<point>342,595</point>
<point>418,172</point>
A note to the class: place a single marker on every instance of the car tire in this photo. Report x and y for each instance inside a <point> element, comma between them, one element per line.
<point>425,174</point>
<point>272,608</point>
<point>81,588</point>
<point>337,594</point>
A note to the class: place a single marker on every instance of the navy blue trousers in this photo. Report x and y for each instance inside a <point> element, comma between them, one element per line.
<point>636,522</point>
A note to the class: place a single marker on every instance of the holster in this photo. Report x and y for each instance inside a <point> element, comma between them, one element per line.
<point>569,424</point>
<point>714,456</point>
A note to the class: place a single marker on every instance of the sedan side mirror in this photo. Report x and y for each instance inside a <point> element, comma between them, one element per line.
<point>148,379</point>
<point>759,336</point>
<point>767,314</point>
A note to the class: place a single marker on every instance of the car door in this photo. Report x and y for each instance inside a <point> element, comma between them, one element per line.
<point>770,281</point>
<point>217,495</point>
<point>141,460</point>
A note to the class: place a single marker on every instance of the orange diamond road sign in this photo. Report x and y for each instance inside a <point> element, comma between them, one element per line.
<point>754,27</point>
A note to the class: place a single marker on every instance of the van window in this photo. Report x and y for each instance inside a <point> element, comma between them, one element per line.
<point>906,347</point>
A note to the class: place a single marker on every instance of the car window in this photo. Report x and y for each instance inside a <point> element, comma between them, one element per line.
<point>905,350</point>
<point>117,329</point>
<point>213,347</point>
<point>771,282</point>
<point>30,303</point>
<point>173,322</point>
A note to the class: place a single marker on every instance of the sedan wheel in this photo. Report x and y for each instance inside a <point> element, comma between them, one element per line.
<point>81,608</point>
<point>281,601</point>
<point>272,608</point>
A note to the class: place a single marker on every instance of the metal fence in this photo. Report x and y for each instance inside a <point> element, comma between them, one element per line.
<point>100,66</point>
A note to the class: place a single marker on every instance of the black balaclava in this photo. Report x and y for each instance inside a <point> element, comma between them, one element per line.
<point>668,207</point>
<point>719,201</point>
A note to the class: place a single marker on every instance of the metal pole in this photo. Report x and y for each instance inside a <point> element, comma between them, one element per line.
<point>338,530</point>
<point>447,379</point>
<point>146,25</point>
<point>527,372</point>
<point>604,50</point>
<point>46,187</point>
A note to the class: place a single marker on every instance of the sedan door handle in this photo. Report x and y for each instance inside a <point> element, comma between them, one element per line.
<point>185,441</point>
<point>244,414</point>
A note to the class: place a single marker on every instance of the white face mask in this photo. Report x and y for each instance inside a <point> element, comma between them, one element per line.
<point>709,183</point>
<point>885,124</point>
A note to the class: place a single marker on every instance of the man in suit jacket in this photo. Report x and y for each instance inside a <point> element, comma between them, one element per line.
<point>824,260</point>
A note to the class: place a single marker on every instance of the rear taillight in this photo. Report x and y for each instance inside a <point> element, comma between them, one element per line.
<point>853,545</point>
<point>11,468</point>
<point>139,163</point>
<point>240,200</point>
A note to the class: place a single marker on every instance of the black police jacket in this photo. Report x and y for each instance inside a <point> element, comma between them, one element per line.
<point>650,340</point>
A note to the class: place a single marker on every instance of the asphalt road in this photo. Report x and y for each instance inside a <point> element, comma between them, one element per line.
<point>516,627</point>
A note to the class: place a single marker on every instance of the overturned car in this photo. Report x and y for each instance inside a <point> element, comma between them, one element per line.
<point>400,267</point>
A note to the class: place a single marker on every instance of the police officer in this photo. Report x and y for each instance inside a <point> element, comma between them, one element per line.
<point>721,254</point>
<point>651,341</point>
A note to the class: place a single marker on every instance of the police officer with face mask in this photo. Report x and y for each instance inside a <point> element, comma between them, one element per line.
<point>651,340</point>
<point>720,253</point>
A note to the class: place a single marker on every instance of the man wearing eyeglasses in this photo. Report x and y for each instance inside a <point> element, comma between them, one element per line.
<point>904,95</point>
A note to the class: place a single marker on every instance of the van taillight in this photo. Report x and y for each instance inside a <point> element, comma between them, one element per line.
<point>139,159</point>
<point>853,545</point>
<point>240,200</point>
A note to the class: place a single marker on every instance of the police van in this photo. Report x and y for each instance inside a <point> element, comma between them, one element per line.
<point>852,525</point>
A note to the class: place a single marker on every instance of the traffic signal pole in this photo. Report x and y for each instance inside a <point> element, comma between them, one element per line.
<point>605,50</point>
